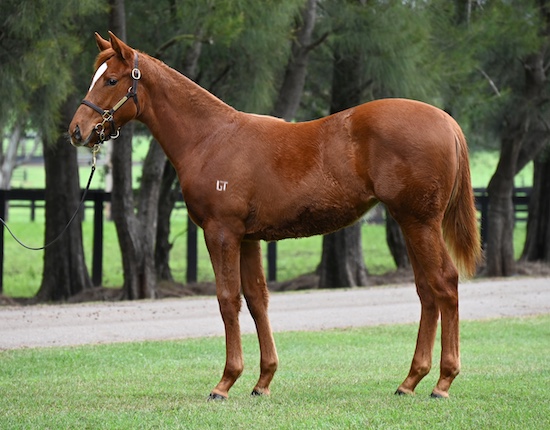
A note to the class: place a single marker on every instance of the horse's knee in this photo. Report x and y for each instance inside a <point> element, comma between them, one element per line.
<point>229,303</point>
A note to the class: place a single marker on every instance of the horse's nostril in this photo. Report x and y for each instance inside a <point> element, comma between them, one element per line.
<point>77,135</point>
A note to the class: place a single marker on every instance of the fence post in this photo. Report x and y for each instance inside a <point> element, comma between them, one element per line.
<point>97,253</point>
<point>272,261</point>
<point>3,216</point>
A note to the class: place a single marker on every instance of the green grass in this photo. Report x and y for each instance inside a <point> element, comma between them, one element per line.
<point>484,163</point>
<point>331,379</point>
<point>295,257</point>
<point>23,268</point>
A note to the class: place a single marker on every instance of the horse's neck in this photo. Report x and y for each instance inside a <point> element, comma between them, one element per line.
<point>179,113</point>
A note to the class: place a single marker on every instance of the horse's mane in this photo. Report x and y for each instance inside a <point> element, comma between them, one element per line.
<point>109,53</point>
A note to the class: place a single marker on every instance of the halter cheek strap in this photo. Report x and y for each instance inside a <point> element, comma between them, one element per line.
<point>108,114</point>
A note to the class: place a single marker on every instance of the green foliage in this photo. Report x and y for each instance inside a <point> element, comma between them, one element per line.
<point>484,64</point>
<point>244,43</point>
<point>245,73</point>
<point>329,379</point>
<point>394,43</point>
<point>394,39</point>
<point>39,46</point>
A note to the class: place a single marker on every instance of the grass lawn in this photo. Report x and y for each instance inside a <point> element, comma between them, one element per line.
<point>326,380</point>
<point>23,268</point>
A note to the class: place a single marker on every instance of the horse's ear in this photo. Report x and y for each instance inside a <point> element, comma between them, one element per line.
<point>102,44</point>
<point>121,48</point>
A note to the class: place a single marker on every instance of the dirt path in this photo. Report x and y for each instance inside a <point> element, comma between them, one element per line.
<point>93,323</point>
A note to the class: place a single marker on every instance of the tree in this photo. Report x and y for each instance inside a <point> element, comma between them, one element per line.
<point>524,129</point>
<point>65,273</point>
<point>396,243</point>
<point>537,242</point>
<point>9,156</point>
<point>292,86</point>
<point>136,229</point>
<point>32,89</point>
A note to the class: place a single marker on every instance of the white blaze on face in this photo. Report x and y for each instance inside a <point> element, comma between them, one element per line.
<point>98,75</point>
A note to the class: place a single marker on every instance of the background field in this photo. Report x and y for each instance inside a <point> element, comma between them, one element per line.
<point>330,379</point>
<point>23,268</point>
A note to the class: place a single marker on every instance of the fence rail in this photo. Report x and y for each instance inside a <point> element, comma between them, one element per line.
<point>34,198</point>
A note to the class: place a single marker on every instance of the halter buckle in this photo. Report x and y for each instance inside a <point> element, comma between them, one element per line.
<point>136,74</point>
<point>95,150</point>
<point>100,130</point>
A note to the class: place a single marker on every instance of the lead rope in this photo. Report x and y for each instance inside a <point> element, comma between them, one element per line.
<point>95,150</point>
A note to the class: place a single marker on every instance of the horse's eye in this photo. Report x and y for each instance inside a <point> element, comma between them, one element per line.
<point>112,82</point>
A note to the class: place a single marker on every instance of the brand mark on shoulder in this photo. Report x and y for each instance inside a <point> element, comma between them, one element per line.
<point>221,185</point>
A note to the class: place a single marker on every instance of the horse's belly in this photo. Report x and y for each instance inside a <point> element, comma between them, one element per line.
<point>307,221</point>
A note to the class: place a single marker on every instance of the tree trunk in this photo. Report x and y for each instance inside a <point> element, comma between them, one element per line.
<point>342,263</point>
<point>522,138</point>
<point>537,242</point>
<point>396,243</point>
<point>292,88</point>
<point>64,273</point>
<point>500,227</point>
<point>8,159</point>
<point>167,199</point>
<point>136,231</point>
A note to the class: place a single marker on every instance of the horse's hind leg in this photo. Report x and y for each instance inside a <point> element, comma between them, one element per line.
<point>436,280</point>
<point>257,297</point>
<point>422,359</point>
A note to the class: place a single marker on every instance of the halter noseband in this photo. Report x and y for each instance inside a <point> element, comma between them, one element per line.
<point>108,114</point>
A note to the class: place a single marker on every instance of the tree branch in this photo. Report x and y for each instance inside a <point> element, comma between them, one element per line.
<point>171,42</point>
<point>491,82</point>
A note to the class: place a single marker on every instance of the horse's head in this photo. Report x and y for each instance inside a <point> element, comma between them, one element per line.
<point>104,109</point>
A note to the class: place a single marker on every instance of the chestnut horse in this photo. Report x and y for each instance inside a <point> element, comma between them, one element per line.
<point>247,178</point>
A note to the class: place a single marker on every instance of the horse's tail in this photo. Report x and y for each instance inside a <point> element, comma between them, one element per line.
<point>460,226</point>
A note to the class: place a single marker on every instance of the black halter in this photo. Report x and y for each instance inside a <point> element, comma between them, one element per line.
<point>108,115</point>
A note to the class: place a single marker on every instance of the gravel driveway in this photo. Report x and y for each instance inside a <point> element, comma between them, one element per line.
<point>94,323</point>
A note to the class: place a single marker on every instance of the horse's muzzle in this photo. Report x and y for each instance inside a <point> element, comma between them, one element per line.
<point>76,138</point>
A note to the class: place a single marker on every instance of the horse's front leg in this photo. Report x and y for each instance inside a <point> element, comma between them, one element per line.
<point>224,248</point>
<point>257,298</point>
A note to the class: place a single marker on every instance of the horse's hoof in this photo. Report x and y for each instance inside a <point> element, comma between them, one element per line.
<point>216,397</point>
<point>400,393</point>
<point>255,393</point>
<point>437,396</point>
